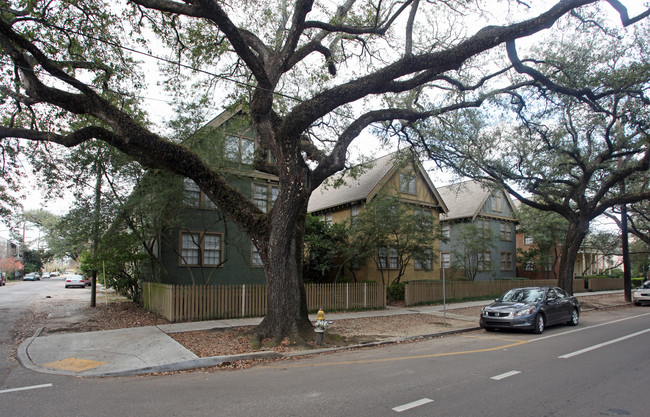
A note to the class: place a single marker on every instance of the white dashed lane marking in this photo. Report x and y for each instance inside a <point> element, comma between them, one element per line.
<point>506,375</point>
<point>4,391</point>
<point>414,404</point>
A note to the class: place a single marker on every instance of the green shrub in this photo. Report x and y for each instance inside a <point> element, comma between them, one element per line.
<point>395,291</point>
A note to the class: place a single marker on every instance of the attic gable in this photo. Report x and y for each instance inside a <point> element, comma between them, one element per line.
<point>468,199</point>
<point>375,177</point>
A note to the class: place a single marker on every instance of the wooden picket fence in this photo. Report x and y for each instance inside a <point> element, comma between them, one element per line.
<point>198,302</point>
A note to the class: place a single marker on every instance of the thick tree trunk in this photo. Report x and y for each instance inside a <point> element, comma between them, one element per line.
<point>287,313</point>
<point>575,235</point>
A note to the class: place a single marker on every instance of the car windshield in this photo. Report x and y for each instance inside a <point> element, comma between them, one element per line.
<point>523,295</point>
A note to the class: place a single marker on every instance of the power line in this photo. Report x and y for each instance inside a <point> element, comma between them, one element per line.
<point>180,64</point>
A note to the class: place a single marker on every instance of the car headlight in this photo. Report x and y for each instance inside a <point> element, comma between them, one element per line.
<point>524,312</point>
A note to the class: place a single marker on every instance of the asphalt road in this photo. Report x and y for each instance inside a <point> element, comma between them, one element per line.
<point>599,368</point>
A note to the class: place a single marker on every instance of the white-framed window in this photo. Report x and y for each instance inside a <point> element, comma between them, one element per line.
<point>393,259</point>
<point>506,231</point>
<point>354,213</point>
<point>497,203</point>
<point>446,229</point>
<point>200,249</point>
<point>191,192</point>
<point>388,258</point>
<point>426,262</point>
<point>256,259</point>
<point>506,261</point>
<point>264,196</point>
<point>445,260</point>
<point>239,149</point>
<point>193,196</point>
<point>528,239</point>
<point>484,261</point>
<point>425,218</point>
<point>328,218</point>
<point>484,224</point>
<point>407,183</point>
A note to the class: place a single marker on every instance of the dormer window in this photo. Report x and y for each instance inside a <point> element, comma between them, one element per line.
<point>407,183</point>
<point>239,149</point>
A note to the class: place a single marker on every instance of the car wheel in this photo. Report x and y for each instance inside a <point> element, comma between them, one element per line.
<point>489,329</point>
<point>575,317</point>
<point>540,323</point>
<point>637,303</point>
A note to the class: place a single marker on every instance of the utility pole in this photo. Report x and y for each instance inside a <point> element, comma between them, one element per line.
<point>627,266</point>
<point>627,273</point>
<point>95,229</point>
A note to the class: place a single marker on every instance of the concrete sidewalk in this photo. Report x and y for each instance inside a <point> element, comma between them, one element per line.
<point>142,350</point>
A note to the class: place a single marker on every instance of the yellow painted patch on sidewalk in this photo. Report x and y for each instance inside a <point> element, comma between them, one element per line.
<point>74,364</point>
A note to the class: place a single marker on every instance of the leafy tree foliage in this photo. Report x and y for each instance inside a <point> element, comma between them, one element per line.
<point>640,256</point>
<point>117,261</point>
<point>327,250</point>
<point>34,260</point>
<point>394,235</point>
<point>569,148</point>
<point>546,230</point>
<point>469,247</point>
<point>313,75</point>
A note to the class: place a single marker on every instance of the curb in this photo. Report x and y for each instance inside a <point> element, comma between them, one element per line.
<point>23,356</point>
<point>211,361</point>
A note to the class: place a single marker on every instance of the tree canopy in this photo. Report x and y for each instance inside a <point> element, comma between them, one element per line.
<point>569,141</point>
<point>312,75</point>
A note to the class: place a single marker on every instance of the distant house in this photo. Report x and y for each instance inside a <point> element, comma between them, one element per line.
<point>480,232</point>
<point>204,246</point>
<point>385,175</point>
<point>590,260</point>
<point>9,249</point>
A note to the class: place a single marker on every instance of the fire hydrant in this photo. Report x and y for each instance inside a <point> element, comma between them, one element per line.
<point>320,326</point>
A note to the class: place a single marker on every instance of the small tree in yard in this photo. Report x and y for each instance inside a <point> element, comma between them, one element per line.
<point>393,234</point>
<point>117,261</point>
<point>313,76</point>
<point>327,250</point>
<point>471,249</point>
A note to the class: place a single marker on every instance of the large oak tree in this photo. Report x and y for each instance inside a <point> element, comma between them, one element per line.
<point>314,76</point>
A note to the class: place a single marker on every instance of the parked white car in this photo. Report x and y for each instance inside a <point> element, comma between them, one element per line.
<point>642,294</point>
<point>74,280</point>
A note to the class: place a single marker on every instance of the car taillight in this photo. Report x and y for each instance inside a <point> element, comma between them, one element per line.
<point>67,280</point>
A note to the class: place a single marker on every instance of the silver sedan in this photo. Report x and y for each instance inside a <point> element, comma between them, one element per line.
<point>74,280</point>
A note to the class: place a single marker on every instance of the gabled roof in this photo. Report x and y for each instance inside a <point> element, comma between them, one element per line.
<point>465,199</point>
<point>364,187</point>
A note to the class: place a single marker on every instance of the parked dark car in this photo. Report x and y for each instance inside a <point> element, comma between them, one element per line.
<point>531,308</point>
<point>3,280</point>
